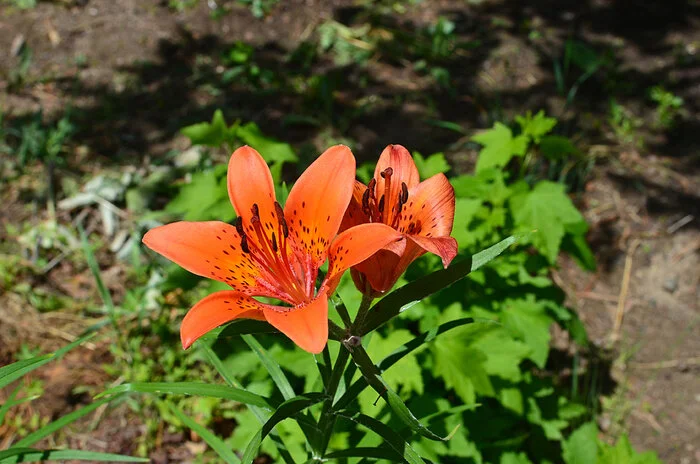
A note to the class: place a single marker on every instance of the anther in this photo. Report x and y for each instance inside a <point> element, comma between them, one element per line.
<point>238,223</point>
<point>388,172</point>
<point>280,217</point>
<point>255,210</point>
<point>244,244</point>
<point>404,192</point>
<point>274,243</point>
<point>380,207</point>
<point>365,201</point>
<point>371,185</point>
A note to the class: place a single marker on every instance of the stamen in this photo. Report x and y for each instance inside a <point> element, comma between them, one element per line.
<point>238,223</point>
<point>371,185</point>
<point>381,204</point>
<point>387,173</point>
<point>274,243</point>
<point>365,200</point>
<point>244,244</point>
<point>404,193</point>
<point>255,210</point>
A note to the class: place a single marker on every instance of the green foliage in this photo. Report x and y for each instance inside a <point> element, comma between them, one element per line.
<point>668,106</point>
<point>583,447</point>
<point>348,45</point>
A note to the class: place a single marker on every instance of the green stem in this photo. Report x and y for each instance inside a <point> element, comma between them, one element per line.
<point>326,421</point>
<point>367,299</point>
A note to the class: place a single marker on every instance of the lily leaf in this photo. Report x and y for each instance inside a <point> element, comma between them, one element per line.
<point>20,454</point>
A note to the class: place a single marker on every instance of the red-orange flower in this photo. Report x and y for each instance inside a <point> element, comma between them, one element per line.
<point>274,252</point>
<point>422,211</point>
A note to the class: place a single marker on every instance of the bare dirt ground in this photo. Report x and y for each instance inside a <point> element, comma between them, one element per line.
<point>131,67</point>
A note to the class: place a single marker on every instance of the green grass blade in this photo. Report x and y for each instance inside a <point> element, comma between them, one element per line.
<point>258,412</point>
<point>272,367</point>
<point>15,454</point>
<point>286,410</point>
<point>392,438</point>
<point>95,269</point>
<point>52,427</point>
<point>14,371</point>
<point>212,440</point>
<point>403,298</point>
<point>193,388</point>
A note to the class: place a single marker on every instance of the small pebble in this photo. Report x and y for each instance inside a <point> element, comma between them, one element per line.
<point>671,284</point>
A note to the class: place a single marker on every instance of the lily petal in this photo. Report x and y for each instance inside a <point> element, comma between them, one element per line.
<point>403,167</point>
<point>354,246</point>
<point>444,247</point>
<point>384,268</point>
<point>306,325</point>
<point>432,205</point>
<point>250,183</point>
<point>354,215</point>
<point>318,200</point>
<point>215,310</point>
<point>209,249</point>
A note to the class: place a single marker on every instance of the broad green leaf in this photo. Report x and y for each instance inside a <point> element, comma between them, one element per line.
<point>365,452</point>
<point>19,454</point>
<point>430,165</point>
<point>461,368</point>
<point>529,321</point>
<point>196,389</point>
<point>536,126</point>
<point>52,427</point>
<point>213,134</point>
<point>503,353</point>
<point>273,151</point>
<point>499,147</point>
<point>405,297</point>
<point>514,458</point>
<point>393,439</point>
<point>582,446</point>
<point>623,452</point>
<point>548,210</point>
<point>204,198</point>
<point>14,371</point>
<point>284,411</point>
<point>212,440</point>
<point>556,147</point>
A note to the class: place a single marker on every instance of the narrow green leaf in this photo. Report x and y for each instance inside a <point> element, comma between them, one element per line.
<point>95,269</point>
<point>52,427</point>
<point>405,297</point>
<point>286,410</point>
<point>272,367</point>
<point>212,440</point>
<point>392,438</point>
<point>17,454</point>
<point>371,374</point>
<point>193,388</point>
<point>9,402</point>
<point>258,412</point>
<point>12,372</point>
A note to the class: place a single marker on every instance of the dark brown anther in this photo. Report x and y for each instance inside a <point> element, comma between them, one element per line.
<point>371,185</point>
<point>244,244</point>
<point>404,192</point>
<point>380,207</point>
<point>274,243</point>
<point>255,210</point>
<point>388,172</point>
<point>238,223</point>
<point>280,217</point>
<point>365,201</point>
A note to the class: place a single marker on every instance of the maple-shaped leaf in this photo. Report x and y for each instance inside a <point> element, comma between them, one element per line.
<point>499,146</point>
<point>547,210</point>
<point>535,126</point>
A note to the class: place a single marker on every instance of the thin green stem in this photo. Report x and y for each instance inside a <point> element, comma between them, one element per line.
<point>327,419</point>
<point>366,303</point>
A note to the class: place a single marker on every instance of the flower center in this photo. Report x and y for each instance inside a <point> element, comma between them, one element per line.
<point>284,274</point>
<point>384,206</point>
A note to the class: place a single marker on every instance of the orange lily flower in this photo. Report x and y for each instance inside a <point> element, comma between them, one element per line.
<point>274,252</point>
<point>423,212</point>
